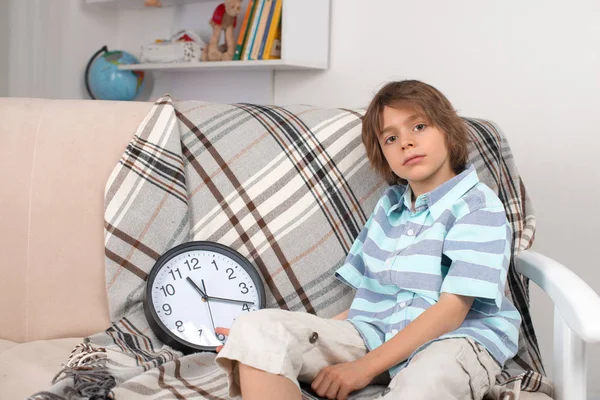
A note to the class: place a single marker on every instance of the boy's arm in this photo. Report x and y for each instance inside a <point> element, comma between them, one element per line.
<point>341,316</point>
<point>443,317</point>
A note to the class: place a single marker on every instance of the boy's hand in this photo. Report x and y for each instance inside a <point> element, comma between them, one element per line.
<point>222,331</point>
<point>337,381</point>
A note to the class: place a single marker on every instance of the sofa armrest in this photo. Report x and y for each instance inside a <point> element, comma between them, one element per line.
<point>574,299</point>
<point>575,324</point>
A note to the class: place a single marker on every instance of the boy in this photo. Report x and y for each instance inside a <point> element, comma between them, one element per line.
<point>429,317</point>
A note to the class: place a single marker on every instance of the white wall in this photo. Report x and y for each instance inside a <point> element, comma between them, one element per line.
<point>4,52</point>
<point>531,66</point>
<point>51,42</point>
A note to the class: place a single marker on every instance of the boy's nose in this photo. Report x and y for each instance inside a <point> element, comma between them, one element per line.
<point>407,140</point>
<point>407,144</point>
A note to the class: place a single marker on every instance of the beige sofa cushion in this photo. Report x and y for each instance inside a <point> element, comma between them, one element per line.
<point>6,344</point>
<point>28,368</point>
<point>17,133</point>
<point>55,159</point>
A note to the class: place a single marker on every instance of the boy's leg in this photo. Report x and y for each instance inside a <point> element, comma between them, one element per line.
<point>448,369</point>
<point>295,345</point>
<point>254,381</point>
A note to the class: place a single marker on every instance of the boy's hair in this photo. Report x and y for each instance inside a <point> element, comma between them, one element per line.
<point>426,101</point>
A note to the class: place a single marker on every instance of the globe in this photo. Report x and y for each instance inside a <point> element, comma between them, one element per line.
<point>105,81</point>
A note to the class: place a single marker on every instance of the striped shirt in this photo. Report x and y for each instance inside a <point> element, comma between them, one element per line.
<point>458,241</point>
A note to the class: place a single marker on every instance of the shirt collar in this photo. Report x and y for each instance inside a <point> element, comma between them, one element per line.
<point>440,198</point>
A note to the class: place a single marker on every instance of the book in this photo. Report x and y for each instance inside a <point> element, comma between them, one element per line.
<point>274,50</point>
<point>260,32</point>
<point>252,33</point>
<point>271,30</point>
<point>244,30</point>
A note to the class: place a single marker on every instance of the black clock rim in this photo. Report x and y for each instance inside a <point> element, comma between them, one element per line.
<point>157,326</point>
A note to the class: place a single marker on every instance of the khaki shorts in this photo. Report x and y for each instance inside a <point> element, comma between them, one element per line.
<point>298,345</point>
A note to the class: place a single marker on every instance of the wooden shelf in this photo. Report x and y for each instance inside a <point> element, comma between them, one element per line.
<point>304,38</point>
<point>264,65</point>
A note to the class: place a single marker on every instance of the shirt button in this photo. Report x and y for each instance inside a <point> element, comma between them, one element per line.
<point>313,337</point>
<point>410,232</point>
<point>403,304</point>
<point>394,331</point>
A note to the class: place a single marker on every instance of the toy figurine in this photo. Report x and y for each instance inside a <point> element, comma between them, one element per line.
<point>224,19</point>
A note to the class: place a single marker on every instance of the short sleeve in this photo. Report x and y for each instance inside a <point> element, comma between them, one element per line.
<point>478,246</point>
<point>353,269</point>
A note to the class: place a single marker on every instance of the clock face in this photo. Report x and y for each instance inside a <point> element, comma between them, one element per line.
<point>196,287</point>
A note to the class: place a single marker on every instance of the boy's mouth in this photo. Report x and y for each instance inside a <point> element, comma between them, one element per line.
<point>413,159</point>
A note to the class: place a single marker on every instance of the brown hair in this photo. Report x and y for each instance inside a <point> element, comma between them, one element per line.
<point>426,100</point>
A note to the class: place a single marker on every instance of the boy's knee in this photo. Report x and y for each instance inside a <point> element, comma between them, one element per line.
<point>256,319</point>
<point>261,329</point>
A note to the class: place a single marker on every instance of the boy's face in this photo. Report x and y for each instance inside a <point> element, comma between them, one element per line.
<point>414,149</point>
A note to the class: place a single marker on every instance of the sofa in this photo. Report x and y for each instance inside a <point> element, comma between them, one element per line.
<point>53,290</point>
<point>51,216</point>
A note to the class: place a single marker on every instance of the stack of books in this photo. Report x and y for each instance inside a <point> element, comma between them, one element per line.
<point>260,33</point>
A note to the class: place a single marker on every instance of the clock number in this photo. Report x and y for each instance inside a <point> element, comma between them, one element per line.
<point>230,271</point>
<point>167,309</point>
<point>180,327</point>
<point>244,287</point>
<point>193,264</point>
<point>172,272</point>
<point>245,307</point>
<point>168,290</point>
<point>215,264</point>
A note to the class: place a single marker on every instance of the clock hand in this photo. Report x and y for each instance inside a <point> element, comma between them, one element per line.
<point>232,300</point>
<point>204,296</point>
<point>208,304</point>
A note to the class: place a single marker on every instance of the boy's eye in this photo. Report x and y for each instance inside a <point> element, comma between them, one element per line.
<point>419,127</point>
<point>391,139</point>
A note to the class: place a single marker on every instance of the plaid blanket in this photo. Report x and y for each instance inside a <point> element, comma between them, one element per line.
<point>289,188</point>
